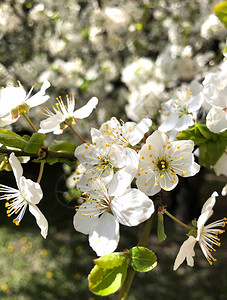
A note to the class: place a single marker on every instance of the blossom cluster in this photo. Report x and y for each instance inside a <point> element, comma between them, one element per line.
<point>122,166</point>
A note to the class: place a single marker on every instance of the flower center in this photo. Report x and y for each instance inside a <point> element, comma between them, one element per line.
<point>162,165</point>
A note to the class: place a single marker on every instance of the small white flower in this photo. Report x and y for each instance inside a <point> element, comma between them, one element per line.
<point>12,97</point>
<point>99,216</point>
<point>104,160</point>
<point>161,161</point>
<point>215,93</point>
<point>62,115</point>
<point>207,236</point>
<point>29,194</point>
<point>125,134</point>
<point>179,112</point>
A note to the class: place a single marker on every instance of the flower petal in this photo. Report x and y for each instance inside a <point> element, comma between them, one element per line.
<point>39,97</point>
<point>40,219</point>
<point>82,220</point>
<point>86,110</point>
<point>132,208</point>
<point>139,130</point>
<point>16,167</point>
<point>186,252</point>
<point>105,236</point>
<point>30,190</point>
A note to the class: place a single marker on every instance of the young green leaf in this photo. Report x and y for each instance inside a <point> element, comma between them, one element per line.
<point>160,228</point>
<point>11,139</point>
<point>35,143</point>
<point>104,282</point>
<point>142,259</point>
<point>62,146</point>
<point>112,260</point>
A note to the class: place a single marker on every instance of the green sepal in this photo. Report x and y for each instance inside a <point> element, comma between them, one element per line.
<point>15,112</point>
<point>142,259</point>
<point>194,223</point>
<point>11,139</point>
<point>220,11</point>
<point>35,143</point>
<point>192,232</point>
<point>62,146</point>
<point>112,260</point>
<point>104,282</point>
<point>23,108</point>
<point>160,228</point>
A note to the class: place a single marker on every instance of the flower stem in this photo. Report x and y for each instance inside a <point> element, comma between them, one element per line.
<point>131,272</point>
<point>41,171</point>
<point>76,133</point>
<point>28,120</point>
<point>178,221</point>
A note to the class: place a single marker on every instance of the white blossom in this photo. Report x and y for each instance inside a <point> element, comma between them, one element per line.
<point>12,97</point>
<point>161,161</point>
<point>99,216</point>
<point>105,160</point>
<point>29,194</point>
<point>179,112</point>
<point>57,121</point>
<point>207,236</point>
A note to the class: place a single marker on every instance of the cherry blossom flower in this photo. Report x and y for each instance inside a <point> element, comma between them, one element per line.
<point>161,161</point>
<point>65,115</point>
<point>12,98</point>
<point>125,134</point>
<point>29,194</point>
<point>99,216</point>
<point>207,236</point>
<point>104,160</point>
<point>179,112</point>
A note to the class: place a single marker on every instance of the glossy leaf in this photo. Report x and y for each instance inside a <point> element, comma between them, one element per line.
<point>142,259</point>
<point>112,260</point>
<point>104,282</point>
<point>35,143</point>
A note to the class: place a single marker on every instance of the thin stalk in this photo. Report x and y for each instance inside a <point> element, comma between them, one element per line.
<point>77,134</point>
<point>131,272</point>
<point>29,121</point>
<point>178,221</point>
<point>41,171</point>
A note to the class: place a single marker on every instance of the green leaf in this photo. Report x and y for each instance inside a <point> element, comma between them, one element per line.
<point>160,228</point>
<point>11,139</point>
<point>220,11</point>
<point>104,282</point>
<point>112,260</point>
<point>142,259</point>
<point>62,146</point>
<point>35,143</point>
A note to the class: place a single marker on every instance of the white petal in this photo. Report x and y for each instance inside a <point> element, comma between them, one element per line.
<point>184,122</point>
<point>139,130</point>
<point>132,208</point>
<point>186,252</point>
<point>168,124</point>
<point>31,191</point>
<point>51,123</point>
<point>157,138</point>
<point>16,167</point>
<point>220,168</point>
<point>216,120</point>
<point>224,190</point>
<point>40,219</point>
<point>86,110</point>
<point>146,183</point>
<point>169,181</point>
<point>105,236</point>
<point>10,98</point>
<point>85,223</point>
<point>39,97</point>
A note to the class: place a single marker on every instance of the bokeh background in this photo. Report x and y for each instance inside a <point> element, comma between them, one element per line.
<point>129,54</point>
